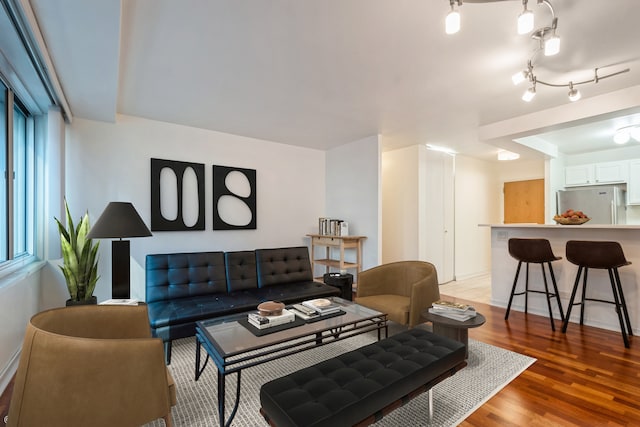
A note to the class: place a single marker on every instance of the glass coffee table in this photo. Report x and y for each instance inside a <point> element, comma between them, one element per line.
<point>234,347</point>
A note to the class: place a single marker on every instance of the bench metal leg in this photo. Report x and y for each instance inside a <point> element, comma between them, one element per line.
<point>430,397</point>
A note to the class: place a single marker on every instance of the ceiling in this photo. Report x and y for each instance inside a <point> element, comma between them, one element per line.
<point>324,73</point>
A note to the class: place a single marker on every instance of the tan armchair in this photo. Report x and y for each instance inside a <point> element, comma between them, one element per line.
<point>91,366</point>
<point>401,289</point>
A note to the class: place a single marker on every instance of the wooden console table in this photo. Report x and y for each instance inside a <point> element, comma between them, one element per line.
<point>340,243</point>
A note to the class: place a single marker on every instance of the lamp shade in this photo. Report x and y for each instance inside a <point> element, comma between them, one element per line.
<point>119,220</point>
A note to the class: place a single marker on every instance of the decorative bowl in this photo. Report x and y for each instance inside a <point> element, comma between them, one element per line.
<point>570,221</point>
<point>270,308</point>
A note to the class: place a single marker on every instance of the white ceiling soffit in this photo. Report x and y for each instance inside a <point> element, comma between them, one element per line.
<point>324,73</point>
<point>83,40</point>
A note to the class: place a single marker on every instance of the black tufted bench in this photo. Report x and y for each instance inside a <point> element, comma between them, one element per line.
<point>183,288</point>
<point>361,386</point>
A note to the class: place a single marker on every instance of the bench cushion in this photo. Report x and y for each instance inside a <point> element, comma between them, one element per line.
<point>353,386</point>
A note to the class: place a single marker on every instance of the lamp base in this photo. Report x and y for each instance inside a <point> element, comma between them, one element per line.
<point>120,270</point>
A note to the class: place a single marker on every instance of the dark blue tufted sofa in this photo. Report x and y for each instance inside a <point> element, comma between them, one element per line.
<point>359,387</point>
<point>183,288</point>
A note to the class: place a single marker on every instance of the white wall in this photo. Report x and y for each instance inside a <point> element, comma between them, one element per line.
<point>400,209</point>
<point>111,162</point>
<point>353,194</point>
<point>477,201</point>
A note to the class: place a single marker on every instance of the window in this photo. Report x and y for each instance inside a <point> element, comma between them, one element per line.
<point>17,192</point>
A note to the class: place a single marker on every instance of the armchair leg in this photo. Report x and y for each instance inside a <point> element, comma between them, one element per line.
<point>167,420</point>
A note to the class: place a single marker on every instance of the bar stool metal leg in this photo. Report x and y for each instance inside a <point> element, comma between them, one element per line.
<point>548,297</point>
<point>623,302</point>
<point>557,294</point>
<point>571,300</point>
<point>513,291</point>
<point>619,309</point>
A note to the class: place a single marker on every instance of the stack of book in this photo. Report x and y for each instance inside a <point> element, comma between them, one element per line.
<point>453,310</point>
<point>322,306</point>
<point>264,322</point>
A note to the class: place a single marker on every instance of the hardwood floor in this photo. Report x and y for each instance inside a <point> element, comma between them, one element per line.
<point>582,378</point>
<point>585,377</point>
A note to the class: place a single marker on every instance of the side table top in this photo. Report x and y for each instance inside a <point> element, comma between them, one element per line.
<point>479,320</point>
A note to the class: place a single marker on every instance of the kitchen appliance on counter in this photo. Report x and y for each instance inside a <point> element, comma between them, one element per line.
<point>603,204</point>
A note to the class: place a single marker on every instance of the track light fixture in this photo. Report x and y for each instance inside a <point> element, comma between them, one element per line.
<point>525,20</point>
<point>548,40</point>
<point>574,94</point>
<point>452,23</point>
<point>529,94</point>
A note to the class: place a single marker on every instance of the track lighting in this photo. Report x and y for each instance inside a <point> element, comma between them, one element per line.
<point>574,94</point>
<point>548,42</point>
<point>519,77</point>
<point>452,23</point>
<point>552,45</point>
<point>525,20</point>
<point>529,94</point>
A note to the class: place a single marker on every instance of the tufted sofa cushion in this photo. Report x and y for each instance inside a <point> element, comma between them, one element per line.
<point>283,265</point>
<point>241,270</point>
<point>349,388</point>
<point>181,275</point>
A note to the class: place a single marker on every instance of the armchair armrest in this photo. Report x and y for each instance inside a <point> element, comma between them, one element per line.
<point>423,293</point>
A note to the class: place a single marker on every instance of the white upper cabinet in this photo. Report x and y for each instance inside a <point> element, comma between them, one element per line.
<point>633,186</point>
<point>579,175</point>
<point>612,172</point>
<point>596,174</point>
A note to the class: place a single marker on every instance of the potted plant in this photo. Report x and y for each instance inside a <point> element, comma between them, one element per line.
<point>80,259</point>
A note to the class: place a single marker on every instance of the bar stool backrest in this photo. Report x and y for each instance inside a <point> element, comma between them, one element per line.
<point>603,255</point>
<point>531,250</point>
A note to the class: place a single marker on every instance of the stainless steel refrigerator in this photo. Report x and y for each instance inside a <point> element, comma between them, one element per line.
<point>603,204</point>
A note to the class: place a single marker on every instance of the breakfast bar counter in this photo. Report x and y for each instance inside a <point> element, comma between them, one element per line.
<point>503,268</point>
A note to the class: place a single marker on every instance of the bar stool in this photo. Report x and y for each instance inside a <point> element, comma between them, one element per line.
<point>605,256</point>
<point>536,251</point>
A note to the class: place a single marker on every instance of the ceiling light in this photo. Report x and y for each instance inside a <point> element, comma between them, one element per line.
<point>529,94</point>
<point>446,150</point>
<point>624,134</point>
<point>525,20</point>
<point>452,23</point>
<point>552,45</point>
<point>504,155</point>
<point>574,94</point>
<point>621,136</point>
<point>519,77</point>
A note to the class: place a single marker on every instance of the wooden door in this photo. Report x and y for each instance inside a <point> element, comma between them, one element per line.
<point>524,201</point>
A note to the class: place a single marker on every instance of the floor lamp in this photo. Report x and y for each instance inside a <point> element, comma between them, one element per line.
<point>119,220</point>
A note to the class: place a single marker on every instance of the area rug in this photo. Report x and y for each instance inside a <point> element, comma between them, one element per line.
<point>489,369</point>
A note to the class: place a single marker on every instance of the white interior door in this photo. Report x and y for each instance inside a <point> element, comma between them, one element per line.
<point>436,229</point>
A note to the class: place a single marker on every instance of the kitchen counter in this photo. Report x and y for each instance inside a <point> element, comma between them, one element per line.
<point>503,268</point>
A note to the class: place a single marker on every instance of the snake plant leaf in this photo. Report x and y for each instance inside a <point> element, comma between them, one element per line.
<point>80,257</point>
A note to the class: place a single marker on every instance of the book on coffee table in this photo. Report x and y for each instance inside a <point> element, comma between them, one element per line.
<point>263,322</point>
<point>322,306</point>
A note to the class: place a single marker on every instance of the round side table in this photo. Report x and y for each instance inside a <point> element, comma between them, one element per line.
<point>453,329</point>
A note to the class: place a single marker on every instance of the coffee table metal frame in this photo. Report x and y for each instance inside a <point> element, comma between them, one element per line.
<point>233,348</point>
